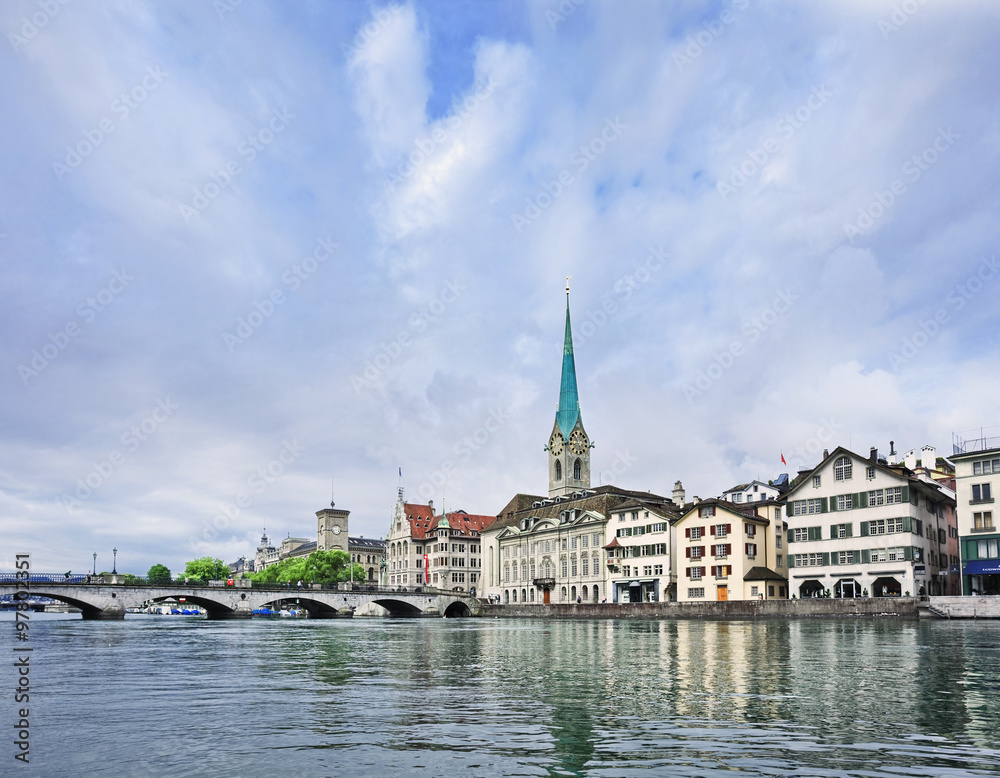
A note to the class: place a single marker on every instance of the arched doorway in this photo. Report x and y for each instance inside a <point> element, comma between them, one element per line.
<point>846,587</point>
<point>886,587</point>
<point>812,588</point>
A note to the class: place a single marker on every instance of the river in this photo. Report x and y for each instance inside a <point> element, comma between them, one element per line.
<point>181,696</point>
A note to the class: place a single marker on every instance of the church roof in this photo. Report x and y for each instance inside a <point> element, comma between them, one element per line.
<point>569,398</point>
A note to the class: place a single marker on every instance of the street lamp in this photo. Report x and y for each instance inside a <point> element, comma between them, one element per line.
<point>114,565</point>
<point>95,563</point>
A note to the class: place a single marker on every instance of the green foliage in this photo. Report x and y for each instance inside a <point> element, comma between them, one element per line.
<point>323,567</point>
<point>158,574</point>
<point>205,569</point>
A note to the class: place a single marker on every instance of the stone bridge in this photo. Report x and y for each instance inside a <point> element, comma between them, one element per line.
<point>109,601</point>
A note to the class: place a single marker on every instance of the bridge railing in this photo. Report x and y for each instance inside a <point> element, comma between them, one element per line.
<point>127,579</point>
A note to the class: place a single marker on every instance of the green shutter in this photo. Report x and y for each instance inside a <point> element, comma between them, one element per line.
<point>826,558</point>
<point>850,529</point>
<point>823,505</point>
<point>920,527</point>
<point>813,533</point>
<point>833,558</point>
<point>866,556</point>
<point>907,524</point>
<point>906,494</point>
<point>791,535</point>
<point>833,504</point>
<point>791,560</point>
<point>862,499</point>
<point>833,532</point>
<point>908,553</point>
<point>864,529</point>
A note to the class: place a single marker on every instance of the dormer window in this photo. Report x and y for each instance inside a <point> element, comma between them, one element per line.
<point>843,469</point>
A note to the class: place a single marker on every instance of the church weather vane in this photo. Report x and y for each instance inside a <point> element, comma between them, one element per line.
<point>567,284</point>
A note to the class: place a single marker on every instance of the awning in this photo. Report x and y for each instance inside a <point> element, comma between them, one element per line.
<point>982,567</point>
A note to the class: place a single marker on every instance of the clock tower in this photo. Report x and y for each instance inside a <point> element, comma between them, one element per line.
<point>568,446</point>
<point>331,529</point>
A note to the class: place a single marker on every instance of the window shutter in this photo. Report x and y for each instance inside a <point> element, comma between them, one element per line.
<point>833,505</point>
<point>729,569</point>
<point>908,553</point>
<point>850,528</point>
<point>906,494</point>
<point>687,571</point>
<point>866,556</point>
<point>920,527</point>
<point>834,560</point>
<point>711,530</point>
<point>791,560</point>
<point>862,499</point>
<point>826,558</point>
<point>703,572</point>
<point>864,529</point>
<point>907,524</point>
<point>813,533</point>
<point>729,549</point>
<point>833,532</point>
<point>687,532</point>
<point>823,505</point>
<point>713,571</point>
<point>729,529</point>
<point>712,508</point>
<point>746,549</point>
<point>791,535</point>
<point>687,552</point>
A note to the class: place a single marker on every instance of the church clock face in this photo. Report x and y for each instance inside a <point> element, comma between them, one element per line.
<point>556,444</point>
<point>577,442</point>
<point>336,529</point>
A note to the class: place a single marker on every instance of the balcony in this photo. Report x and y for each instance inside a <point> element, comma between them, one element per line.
<point>984,529</point>
<point>544,583</point>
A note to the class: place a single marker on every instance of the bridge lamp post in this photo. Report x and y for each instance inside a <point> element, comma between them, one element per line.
<point>114,566</point>
<point>95,563</point>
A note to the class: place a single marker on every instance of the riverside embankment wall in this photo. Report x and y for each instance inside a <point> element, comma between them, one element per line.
<point>865,607</point>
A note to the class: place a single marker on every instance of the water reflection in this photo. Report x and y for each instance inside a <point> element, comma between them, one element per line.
<point>478,697</point>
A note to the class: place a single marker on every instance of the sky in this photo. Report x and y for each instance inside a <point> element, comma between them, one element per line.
<point>257,256</point>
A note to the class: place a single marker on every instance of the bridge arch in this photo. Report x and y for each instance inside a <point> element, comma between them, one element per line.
<point>457,609</point>
<point>215,611</point>
<point>89,611</point>
<point>399,608</point>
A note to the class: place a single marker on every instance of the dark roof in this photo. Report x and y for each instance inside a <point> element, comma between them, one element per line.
<point>763,574</point>
<point>368,542</point>
<point>600,499</point>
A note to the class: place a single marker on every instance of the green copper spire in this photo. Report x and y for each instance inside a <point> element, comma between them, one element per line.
<point>569,400</point>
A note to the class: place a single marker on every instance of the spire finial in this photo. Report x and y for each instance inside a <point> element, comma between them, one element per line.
<point>333,490</point>
<point>567,285</point>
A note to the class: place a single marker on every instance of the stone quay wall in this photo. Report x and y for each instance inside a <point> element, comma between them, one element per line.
<point>864,607</point>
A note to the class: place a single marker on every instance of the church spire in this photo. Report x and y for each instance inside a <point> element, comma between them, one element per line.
<point>569,399</point>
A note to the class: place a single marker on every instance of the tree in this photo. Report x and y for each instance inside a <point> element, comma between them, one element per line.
<point>158,575</point>
<point>206,568</point>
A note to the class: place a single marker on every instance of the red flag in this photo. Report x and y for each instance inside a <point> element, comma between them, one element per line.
<point>783,460</point>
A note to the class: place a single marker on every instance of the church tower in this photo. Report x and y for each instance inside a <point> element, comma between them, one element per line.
<point>569,447</point>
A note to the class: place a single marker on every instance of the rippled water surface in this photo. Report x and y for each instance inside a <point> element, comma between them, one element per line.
<point>175,696</point>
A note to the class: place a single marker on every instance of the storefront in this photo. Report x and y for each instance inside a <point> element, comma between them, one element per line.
<point>981,576</point>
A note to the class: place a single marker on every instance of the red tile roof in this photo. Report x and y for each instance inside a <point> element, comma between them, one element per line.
<point>422,521</point>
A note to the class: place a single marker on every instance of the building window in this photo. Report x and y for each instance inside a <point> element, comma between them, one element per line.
<point>695,594</point>
<point>583,540</point>
<point>696,533</point>
<point>563,568</point>
<point>843,469</point>
<point>871,473</point>
<point>647,570</point>
<point>595,539</point>
<point>800,534</point>
<point>558,470</point>
<point>696,573</point>
<point>845,502</point>
<point>585,565</point>
<point>572,567</point>
<point>752,550</point>
<point>845,557</point>
<point>657,569</point>
<point>986,467</point>
<point>982,521</point>
<point>738,497</point>
<point>572,543</point>
<point>894,555</point>
<point>816,483</point>
<point>987,549</point>
<point>577,470</point>
<point>878,555</point>
<point>721,530</point>
<point>754,591</point>
<point>563,544</point>
<point>876,497</point>
<point>893,495</point>
<point>721,550</point>
<point>696,552</point>
<point>706,511</point>
<point>841,530</point>
<point>981,493</point>
<point>779,561</point>
<point>506,575</point>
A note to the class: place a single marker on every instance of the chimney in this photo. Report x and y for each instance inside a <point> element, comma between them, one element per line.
<point>826,453</point>
<point>430,504</point>
<point>928,457</point>
<point>892,452</point>
<point>873,455</point>
<point>678,494</point>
